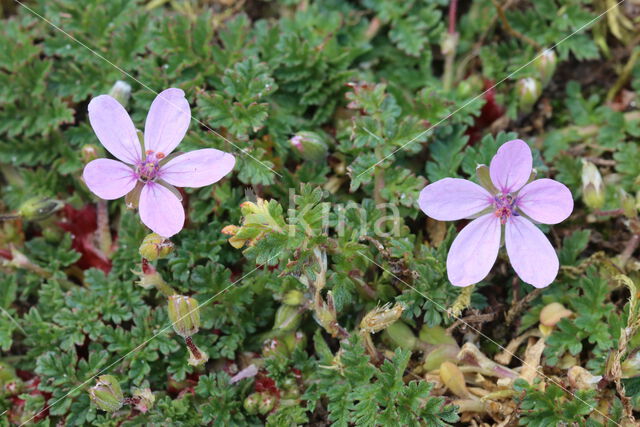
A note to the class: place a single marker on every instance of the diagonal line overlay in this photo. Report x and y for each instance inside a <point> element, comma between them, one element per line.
<point>491,340</point>
<point>242,150</point>
<point>466,104</point>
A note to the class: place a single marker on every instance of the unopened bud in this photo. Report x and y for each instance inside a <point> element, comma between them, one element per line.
<point>121,91</point>
<point>39,208</point>
<point>545,64</point>
<point>552,313</point>
<point>251,403</point>
<point>293,298</point>
<point>453,378</point>
<point>155,247</point>
<point>287,318</point>
<point>628,204</point>
<point>401,335</point>
<point>435,335</point>
<point>184,313</point>
<point>528,91</point>
<point>311,145</point>
<point>144,398</point>
<point>592,186</point>
<point>266,404</point>
<point>294,341</point>
<point>89,152</point>
<point>106,394</point>
<point>380,318</point>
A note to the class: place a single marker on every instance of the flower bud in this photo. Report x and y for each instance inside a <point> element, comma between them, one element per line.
<point>293,298</point>
<point>266,403</point>
<point>155,247</point>
<point>592,186</point>
<point>145,399</point>
<point>401,335</point>
<point>121,91</point>
<point>287,318</point>
<point>89,152</point>
<point>628,204</point>
<point>380,318</point>
<point>251,403</point>
<point>106,394</point>
<point>452,377</point>
<point>545,64</point>
<point>552,313</point>
<point>39,208</point>
<point>294,341</point>
<point>528,91</point>
<point>311,145</point>
<point>184,313</point>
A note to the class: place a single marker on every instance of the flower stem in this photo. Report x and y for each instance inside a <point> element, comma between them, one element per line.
<point>194,349</point>
<point>104,233</point>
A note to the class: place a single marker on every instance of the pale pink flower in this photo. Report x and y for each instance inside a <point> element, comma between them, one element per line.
<point>513,207</point>
<point>152,175</point>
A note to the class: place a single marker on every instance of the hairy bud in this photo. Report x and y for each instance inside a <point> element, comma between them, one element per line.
<point>106,394</point>
<point>310,145</point>
<point>528,90</point>
<point>592,186</point>
<point>155,247</point>
<point>184,313</point>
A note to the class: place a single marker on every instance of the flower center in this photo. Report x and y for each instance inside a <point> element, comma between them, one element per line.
<point>148,169</point>
<point>505,207</point>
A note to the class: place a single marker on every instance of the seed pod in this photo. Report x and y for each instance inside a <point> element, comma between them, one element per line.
<point>106,394</point>
<point>593,188</point>
<point>184,313</point>
<point>155,247</point>
<point>311,145</point>
<point>545,64</point>
<point>528,91</point>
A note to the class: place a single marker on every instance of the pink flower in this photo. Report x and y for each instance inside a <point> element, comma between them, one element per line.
<point>511,205</point>
<point>152,175</point>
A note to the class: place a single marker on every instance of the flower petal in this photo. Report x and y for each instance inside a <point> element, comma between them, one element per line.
<point>167,121</point>
<point>160,210</point>
<point>530,252</point>
<point>546,201</point>
<point>114,128</point>
<point>109,179</point>
<point>474,251</point>
<point>451,199</point>
<point>511,167</point>
<point>197,168</point>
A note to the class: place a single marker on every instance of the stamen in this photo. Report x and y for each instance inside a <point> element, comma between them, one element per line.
<point>149,152</point>
<point>160,156</point>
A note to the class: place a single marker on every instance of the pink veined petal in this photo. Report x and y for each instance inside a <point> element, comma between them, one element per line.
<point>197,168</point>
<point>114,128</point>
<point>474,251</point>
<point>450,199</point>
<point>511,167</point>
<point>546,201</point>
<point>160,210</point>
<point>109,179</point>
<point>167,121</point>
<point>530,252</point>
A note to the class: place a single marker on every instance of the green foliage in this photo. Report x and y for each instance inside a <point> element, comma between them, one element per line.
<point>325,241</point>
